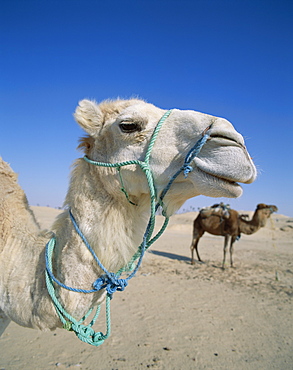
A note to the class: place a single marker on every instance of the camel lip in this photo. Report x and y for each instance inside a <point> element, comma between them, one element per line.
<point>246,173</point>
<point>232,188</point>
<point>224,179</point>
<point>226,187</point>
<point>229,140</point>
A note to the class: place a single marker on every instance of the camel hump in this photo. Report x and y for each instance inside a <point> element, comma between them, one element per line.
<point>8,179</point>
<point>5,169</point>
<point>222,210</point>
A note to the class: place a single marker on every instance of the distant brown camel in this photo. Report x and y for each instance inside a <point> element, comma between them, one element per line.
<point>217,221</point>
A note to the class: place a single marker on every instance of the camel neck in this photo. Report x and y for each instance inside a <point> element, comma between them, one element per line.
<point>112,226</point>
<point>252,226</point>
<point>257,220</point>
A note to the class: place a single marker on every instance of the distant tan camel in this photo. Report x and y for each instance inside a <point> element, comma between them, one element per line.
<point>219,220</point>
<point>113,221</point>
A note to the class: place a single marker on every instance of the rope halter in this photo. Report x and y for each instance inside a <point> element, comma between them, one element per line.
<point>109,280</point>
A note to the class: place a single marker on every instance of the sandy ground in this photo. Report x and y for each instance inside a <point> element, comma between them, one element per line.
<point>177,316</point>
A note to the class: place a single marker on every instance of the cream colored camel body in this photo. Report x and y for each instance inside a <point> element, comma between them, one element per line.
<point>230,226</point>
<point>117,131</point>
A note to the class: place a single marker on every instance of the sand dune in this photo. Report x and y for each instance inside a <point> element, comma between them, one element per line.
<point>177,316</point>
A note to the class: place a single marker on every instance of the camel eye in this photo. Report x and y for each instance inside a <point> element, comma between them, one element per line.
<point>129,127</point>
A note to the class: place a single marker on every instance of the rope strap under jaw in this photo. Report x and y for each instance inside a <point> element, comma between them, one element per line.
<point>109,280</point>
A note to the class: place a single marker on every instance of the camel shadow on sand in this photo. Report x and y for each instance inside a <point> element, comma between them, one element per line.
<point>177,257</point>
<point>171,256</point>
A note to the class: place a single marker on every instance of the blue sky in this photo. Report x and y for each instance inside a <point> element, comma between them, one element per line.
<point>227,58</point>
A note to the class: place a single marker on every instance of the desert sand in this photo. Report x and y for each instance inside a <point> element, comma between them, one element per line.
<point>177,316</point>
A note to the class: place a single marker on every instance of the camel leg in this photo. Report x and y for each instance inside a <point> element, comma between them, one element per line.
<point>194,246</point>
<point>193,243</point>
<point>4,322</point>
<point>227,237</point>
<point>196,249</point>
<point>233,238</point>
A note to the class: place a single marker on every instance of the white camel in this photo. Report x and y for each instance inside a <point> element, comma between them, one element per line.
<point>113,225</point>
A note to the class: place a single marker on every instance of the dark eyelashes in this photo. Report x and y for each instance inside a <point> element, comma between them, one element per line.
<point>129,127</point>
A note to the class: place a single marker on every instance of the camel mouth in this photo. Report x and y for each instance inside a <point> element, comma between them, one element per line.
<point>225,187</point>
<point>226,158</point>
<point>228,140</point>
<point>230,182</point>
<point>225,170</point>
<point>224,179</point>
<point>232,188</point>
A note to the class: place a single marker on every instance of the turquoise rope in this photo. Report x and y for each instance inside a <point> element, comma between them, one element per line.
<point>84,332</point>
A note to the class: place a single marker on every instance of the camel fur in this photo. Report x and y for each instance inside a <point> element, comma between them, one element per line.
<point>116,131</point>
<point>214,220</point>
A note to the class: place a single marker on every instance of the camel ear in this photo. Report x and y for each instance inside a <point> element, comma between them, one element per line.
<point>89,117</point>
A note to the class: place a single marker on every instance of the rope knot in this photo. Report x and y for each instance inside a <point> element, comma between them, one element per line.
<point>88,335</point>
<point>111,282</point>
<point>186,170</point>
<point>83,330</point>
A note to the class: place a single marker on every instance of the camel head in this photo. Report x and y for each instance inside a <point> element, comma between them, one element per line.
<point>121,130</point>
<point>266,210</point>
